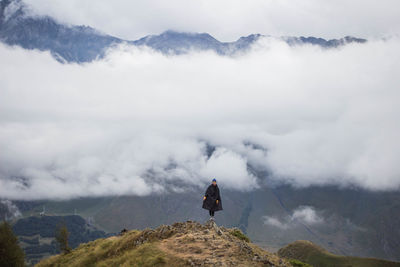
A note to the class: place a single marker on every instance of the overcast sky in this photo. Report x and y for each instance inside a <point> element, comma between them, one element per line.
<point>229,19</point>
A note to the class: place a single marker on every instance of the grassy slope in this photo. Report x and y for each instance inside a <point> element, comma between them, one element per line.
<point>308,252</point>
<point>182,244</point>
<point>114,251</point>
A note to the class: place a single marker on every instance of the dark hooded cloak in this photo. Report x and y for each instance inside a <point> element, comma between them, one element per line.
<point>212,195</point>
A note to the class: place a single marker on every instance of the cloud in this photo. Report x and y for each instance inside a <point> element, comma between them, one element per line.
<point>139,122</point>
<point>303,214</point>
<point>275,222</point>
<point>307,215</point>
<point>230,19</point>
<point>228,165</point>
<point>11,211</point>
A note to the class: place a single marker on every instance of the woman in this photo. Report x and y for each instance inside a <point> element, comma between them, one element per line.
<point>212,199</point>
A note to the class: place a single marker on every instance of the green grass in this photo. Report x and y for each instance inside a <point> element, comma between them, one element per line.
<point>114,251</point>
<point>239,234</point>
<point>308,252</point>
<point>297,263</point>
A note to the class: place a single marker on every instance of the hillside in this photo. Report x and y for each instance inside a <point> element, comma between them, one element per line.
<point>36,234</point>
<point>358,223</point>
<point>181,244</point>
<point>310,253</point>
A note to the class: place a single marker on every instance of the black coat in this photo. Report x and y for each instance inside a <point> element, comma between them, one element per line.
<point>212,195</point>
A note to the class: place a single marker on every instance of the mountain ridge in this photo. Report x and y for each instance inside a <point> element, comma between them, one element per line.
<point>82,44</point>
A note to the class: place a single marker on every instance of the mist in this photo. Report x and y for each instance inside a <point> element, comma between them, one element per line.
<point>304,214</point>
<point>139,122</point>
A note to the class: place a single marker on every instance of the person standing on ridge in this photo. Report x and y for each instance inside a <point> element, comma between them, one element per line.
<point>212,199</point>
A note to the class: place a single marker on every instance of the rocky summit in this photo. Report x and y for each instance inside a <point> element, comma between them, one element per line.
<point>180,244</point>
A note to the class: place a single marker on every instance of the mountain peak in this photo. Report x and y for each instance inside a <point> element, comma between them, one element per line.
<point>180,244</point>
<point>186,34</point>
<point>174,42</point>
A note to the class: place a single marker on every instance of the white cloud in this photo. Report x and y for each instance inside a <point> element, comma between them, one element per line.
<point>307,215</point>
<point>12,210</point>
<point>138,121</point>
<point>269,220</point>
<point>229,167</point>
<point>303,214</point>
<point>230,19</point>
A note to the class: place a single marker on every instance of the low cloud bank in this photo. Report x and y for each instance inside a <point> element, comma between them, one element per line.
<point>139,122</point>
<point>303,214</point>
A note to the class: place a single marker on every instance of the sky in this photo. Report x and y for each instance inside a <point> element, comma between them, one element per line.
<point>139,122</point>
<point>227,20</point>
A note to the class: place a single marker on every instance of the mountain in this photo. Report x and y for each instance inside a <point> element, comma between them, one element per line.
<point>307,252</point>
<point>171,42</point>
<point>322,42</point>
<point>180,244</point>
<point>85,44</point>
<point>36,235</point>
<point>66,43</point>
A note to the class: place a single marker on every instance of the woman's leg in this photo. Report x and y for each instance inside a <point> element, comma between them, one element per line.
<point>211,213</point>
